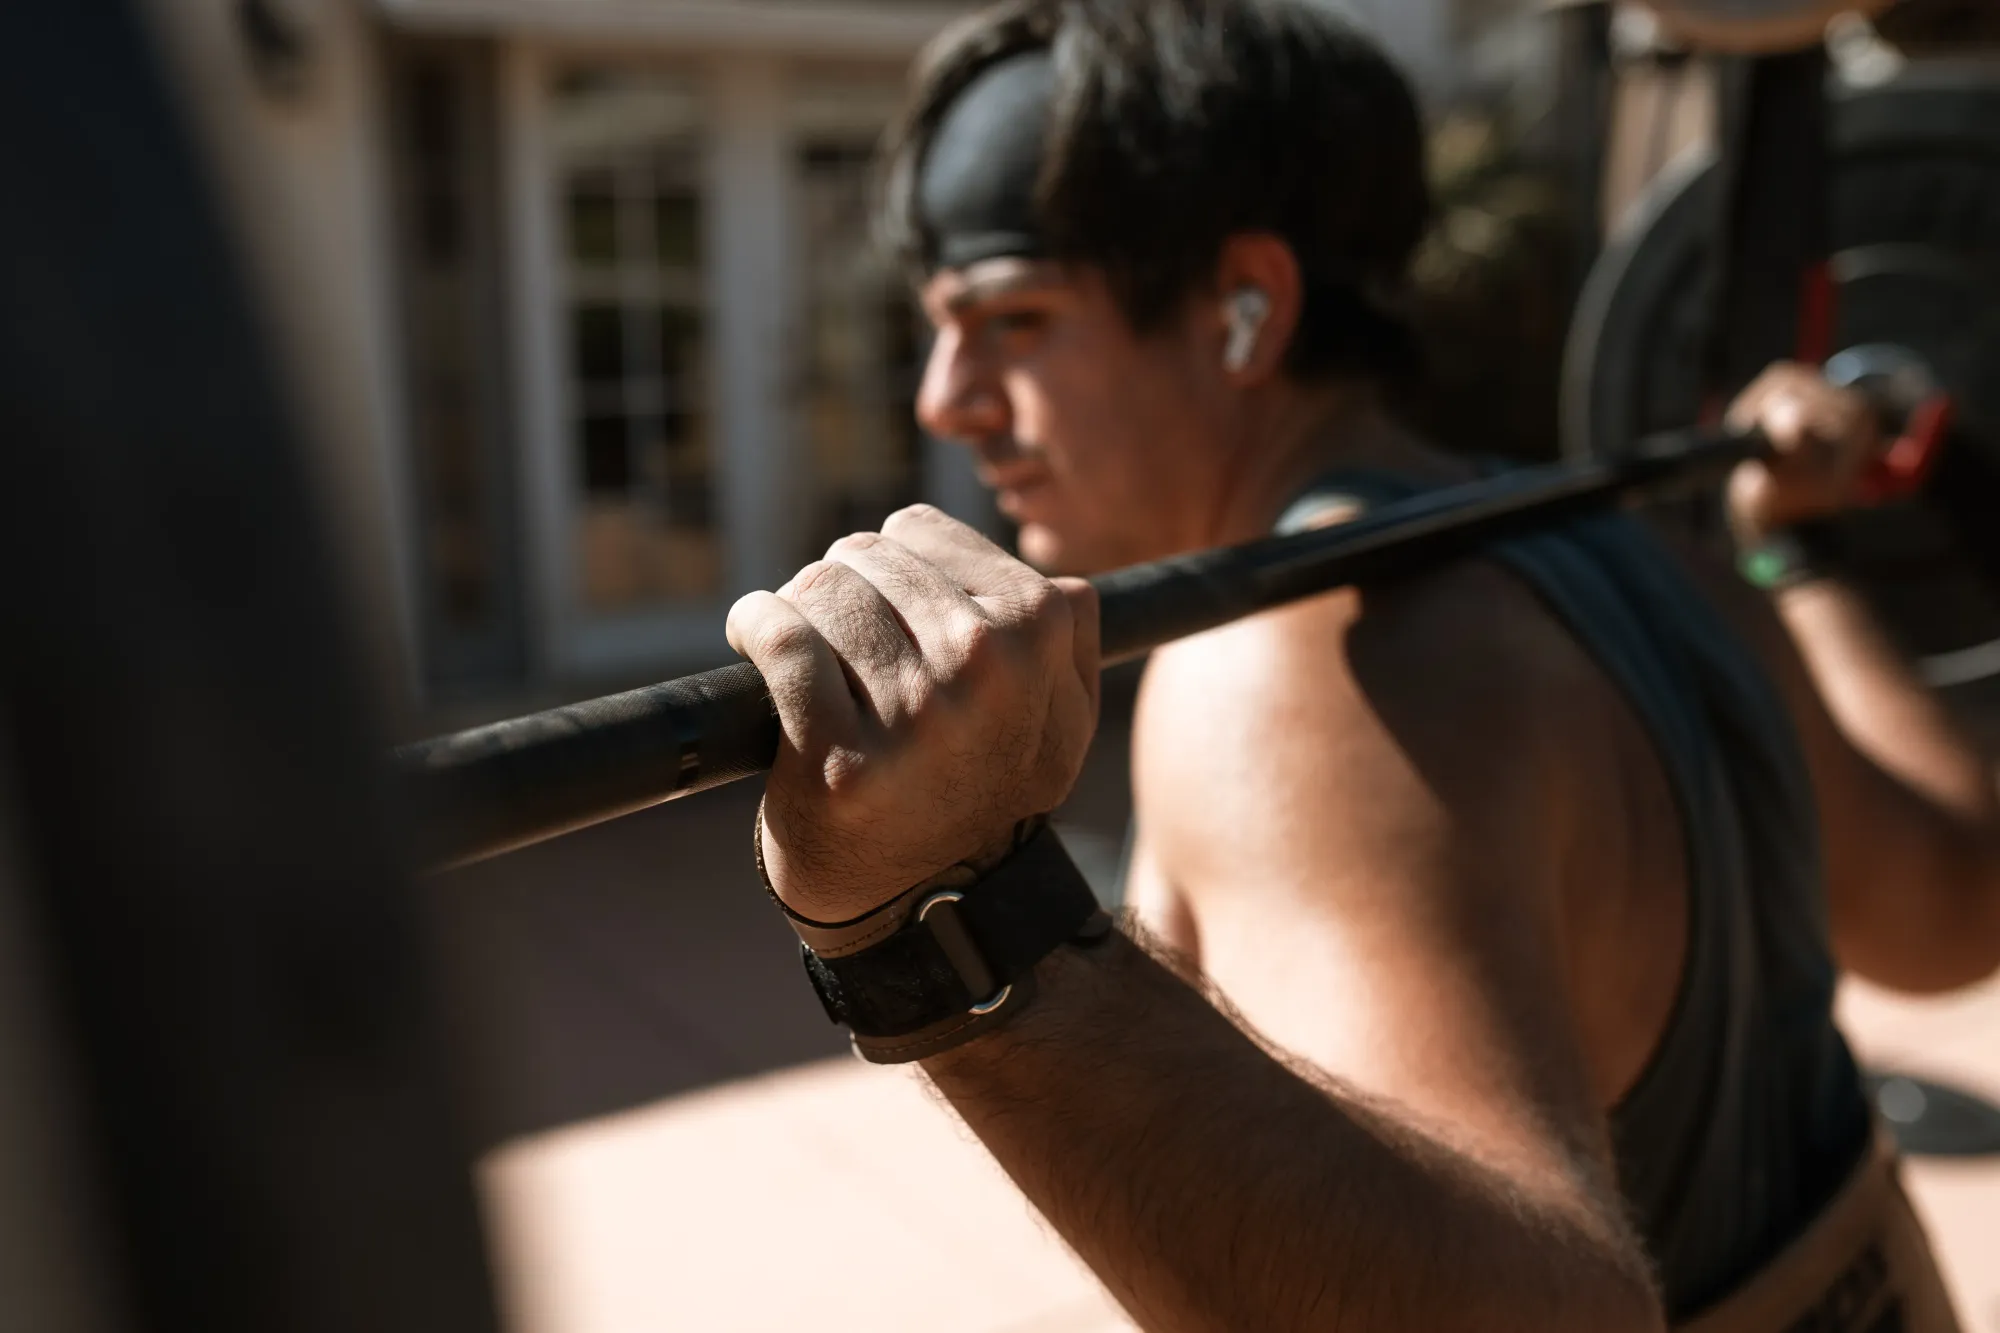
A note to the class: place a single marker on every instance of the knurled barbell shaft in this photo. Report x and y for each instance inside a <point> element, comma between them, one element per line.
<point>507,785</point>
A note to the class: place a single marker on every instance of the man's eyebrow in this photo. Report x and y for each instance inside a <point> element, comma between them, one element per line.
<point>992,286</point>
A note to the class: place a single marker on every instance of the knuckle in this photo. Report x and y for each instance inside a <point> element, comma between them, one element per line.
<point>1044,609</point>
<point>844,773</point>
<point>916,694</point>
<point>1080,593</point>
<point>811,576</point>
<point>976,641</point>
<point>913,518</point>
<point>824,578</point>
<point>853,543</point>
<point>779,640</point>
<point>919,513</point>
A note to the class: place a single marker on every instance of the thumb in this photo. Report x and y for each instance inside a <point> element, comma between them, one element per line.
<point>1086,631</point>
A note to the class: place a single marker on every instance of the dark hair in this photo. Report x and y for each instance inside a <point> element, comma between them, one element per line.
<point>1177,123</point>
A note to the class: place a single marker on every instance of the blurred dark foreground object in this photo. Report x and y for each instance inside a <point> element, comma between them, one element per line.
<point>223,1106</point>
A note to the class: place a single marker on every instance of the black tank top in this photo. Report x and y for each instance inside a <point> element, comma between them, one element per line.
<point>1751,1112</point>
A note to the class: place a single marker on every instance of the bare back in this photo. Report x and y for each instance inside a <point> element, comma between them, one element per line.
<point>1424,840</point>
<point>1361,737</point>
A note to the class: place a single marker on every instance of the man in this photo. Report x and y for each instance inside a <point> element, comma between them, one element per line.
<point>1519,885</point>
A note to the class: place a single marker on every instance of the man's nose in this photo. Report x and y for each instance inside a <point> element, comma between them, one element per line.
<point>959,400</point>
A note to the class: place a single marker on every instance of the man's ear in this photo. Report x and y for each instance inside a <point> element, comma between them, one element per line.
<point>1259,298</point>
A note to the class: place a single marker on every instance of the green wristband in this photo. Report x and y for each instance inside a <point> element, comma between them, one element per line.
<point>1780,561</point>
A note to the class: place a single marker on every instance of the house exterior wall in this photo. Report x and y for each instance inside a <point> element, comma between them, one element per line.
<point>310,165</point>
<point>749,66</point>
<point>768,483</point>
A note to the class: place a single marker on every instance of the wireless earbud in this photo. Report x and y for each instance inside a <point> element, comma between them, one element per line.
<point>1248,308</point>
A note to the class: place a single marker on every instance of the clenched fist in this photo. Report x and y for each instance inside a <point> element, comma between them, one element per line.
<point>1823,441</point>
<point>933,692</point>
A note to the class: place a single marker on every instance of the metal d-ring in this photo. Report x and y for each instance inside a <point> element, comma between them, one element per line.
<point>953,896</point>
<point>983,1009</point>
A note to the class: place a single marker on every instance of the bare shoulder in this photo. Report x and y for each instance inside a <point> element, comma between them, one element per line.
<point>1455,695</point>
<point>1439,792</point>
<point>1460,824</point>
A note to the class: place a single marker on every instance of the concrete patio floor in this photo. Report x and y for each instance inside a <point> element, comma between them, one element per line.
<point>1955,1040</point>
<point>769,1204</point>
<point>677,1140</point>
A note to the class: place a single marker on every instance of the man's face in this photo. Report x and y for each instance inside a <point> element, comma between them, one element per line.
<point>1102,445</point>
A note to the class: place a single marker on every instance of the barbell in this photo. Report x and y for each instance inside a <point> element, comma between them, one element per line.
<point>509,784</point>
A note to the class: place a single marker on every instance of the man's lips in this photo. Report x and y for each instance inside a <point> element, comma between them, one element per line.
<point>1013,479</point>
<point>1016,495</point>
<point>1017,479</point>
<point>1013,474</point>
<point>1011,471</point>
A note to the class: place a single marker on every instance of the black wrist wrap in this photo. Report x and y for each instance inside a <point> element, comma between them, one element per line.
<point>953,957</point>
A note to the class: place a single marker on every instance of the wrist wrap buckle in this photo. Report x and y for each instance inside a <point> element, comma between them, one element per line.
<point>953,956</point>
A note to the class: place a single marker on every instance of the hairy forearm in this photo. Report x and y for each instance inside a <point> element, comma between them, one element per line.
<point>1878,700</point>
<point>1212,1187</point>
<point>1940,927</point>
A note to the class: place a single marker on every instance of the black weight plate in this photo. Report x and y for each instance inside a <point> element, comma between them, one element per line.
<point>1935,1119</point>
<point>1916,234</point>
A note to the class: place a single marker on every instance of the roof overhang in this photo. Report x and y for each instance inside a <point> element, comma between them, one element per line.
<point>831,29</point>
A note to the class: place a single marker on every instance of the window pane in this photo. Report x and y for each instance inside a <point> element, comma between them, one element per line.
<point>860,354</point>
<point>599,338</point>
<point>677,456</point>
<point>593,222</point>
<point>680,348</point>
<point>628,147</point>
<point>607,455</point>
<point>677,231</point>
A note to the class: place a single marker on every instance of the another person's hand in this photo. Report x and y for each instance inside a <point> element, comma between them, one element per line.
<point>933,691</point>
<point>1823,441</point>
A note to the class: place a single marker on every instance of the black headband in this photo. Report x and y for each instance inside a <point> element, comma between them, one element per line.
<point>976,191</point>
<point>976,199</point>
